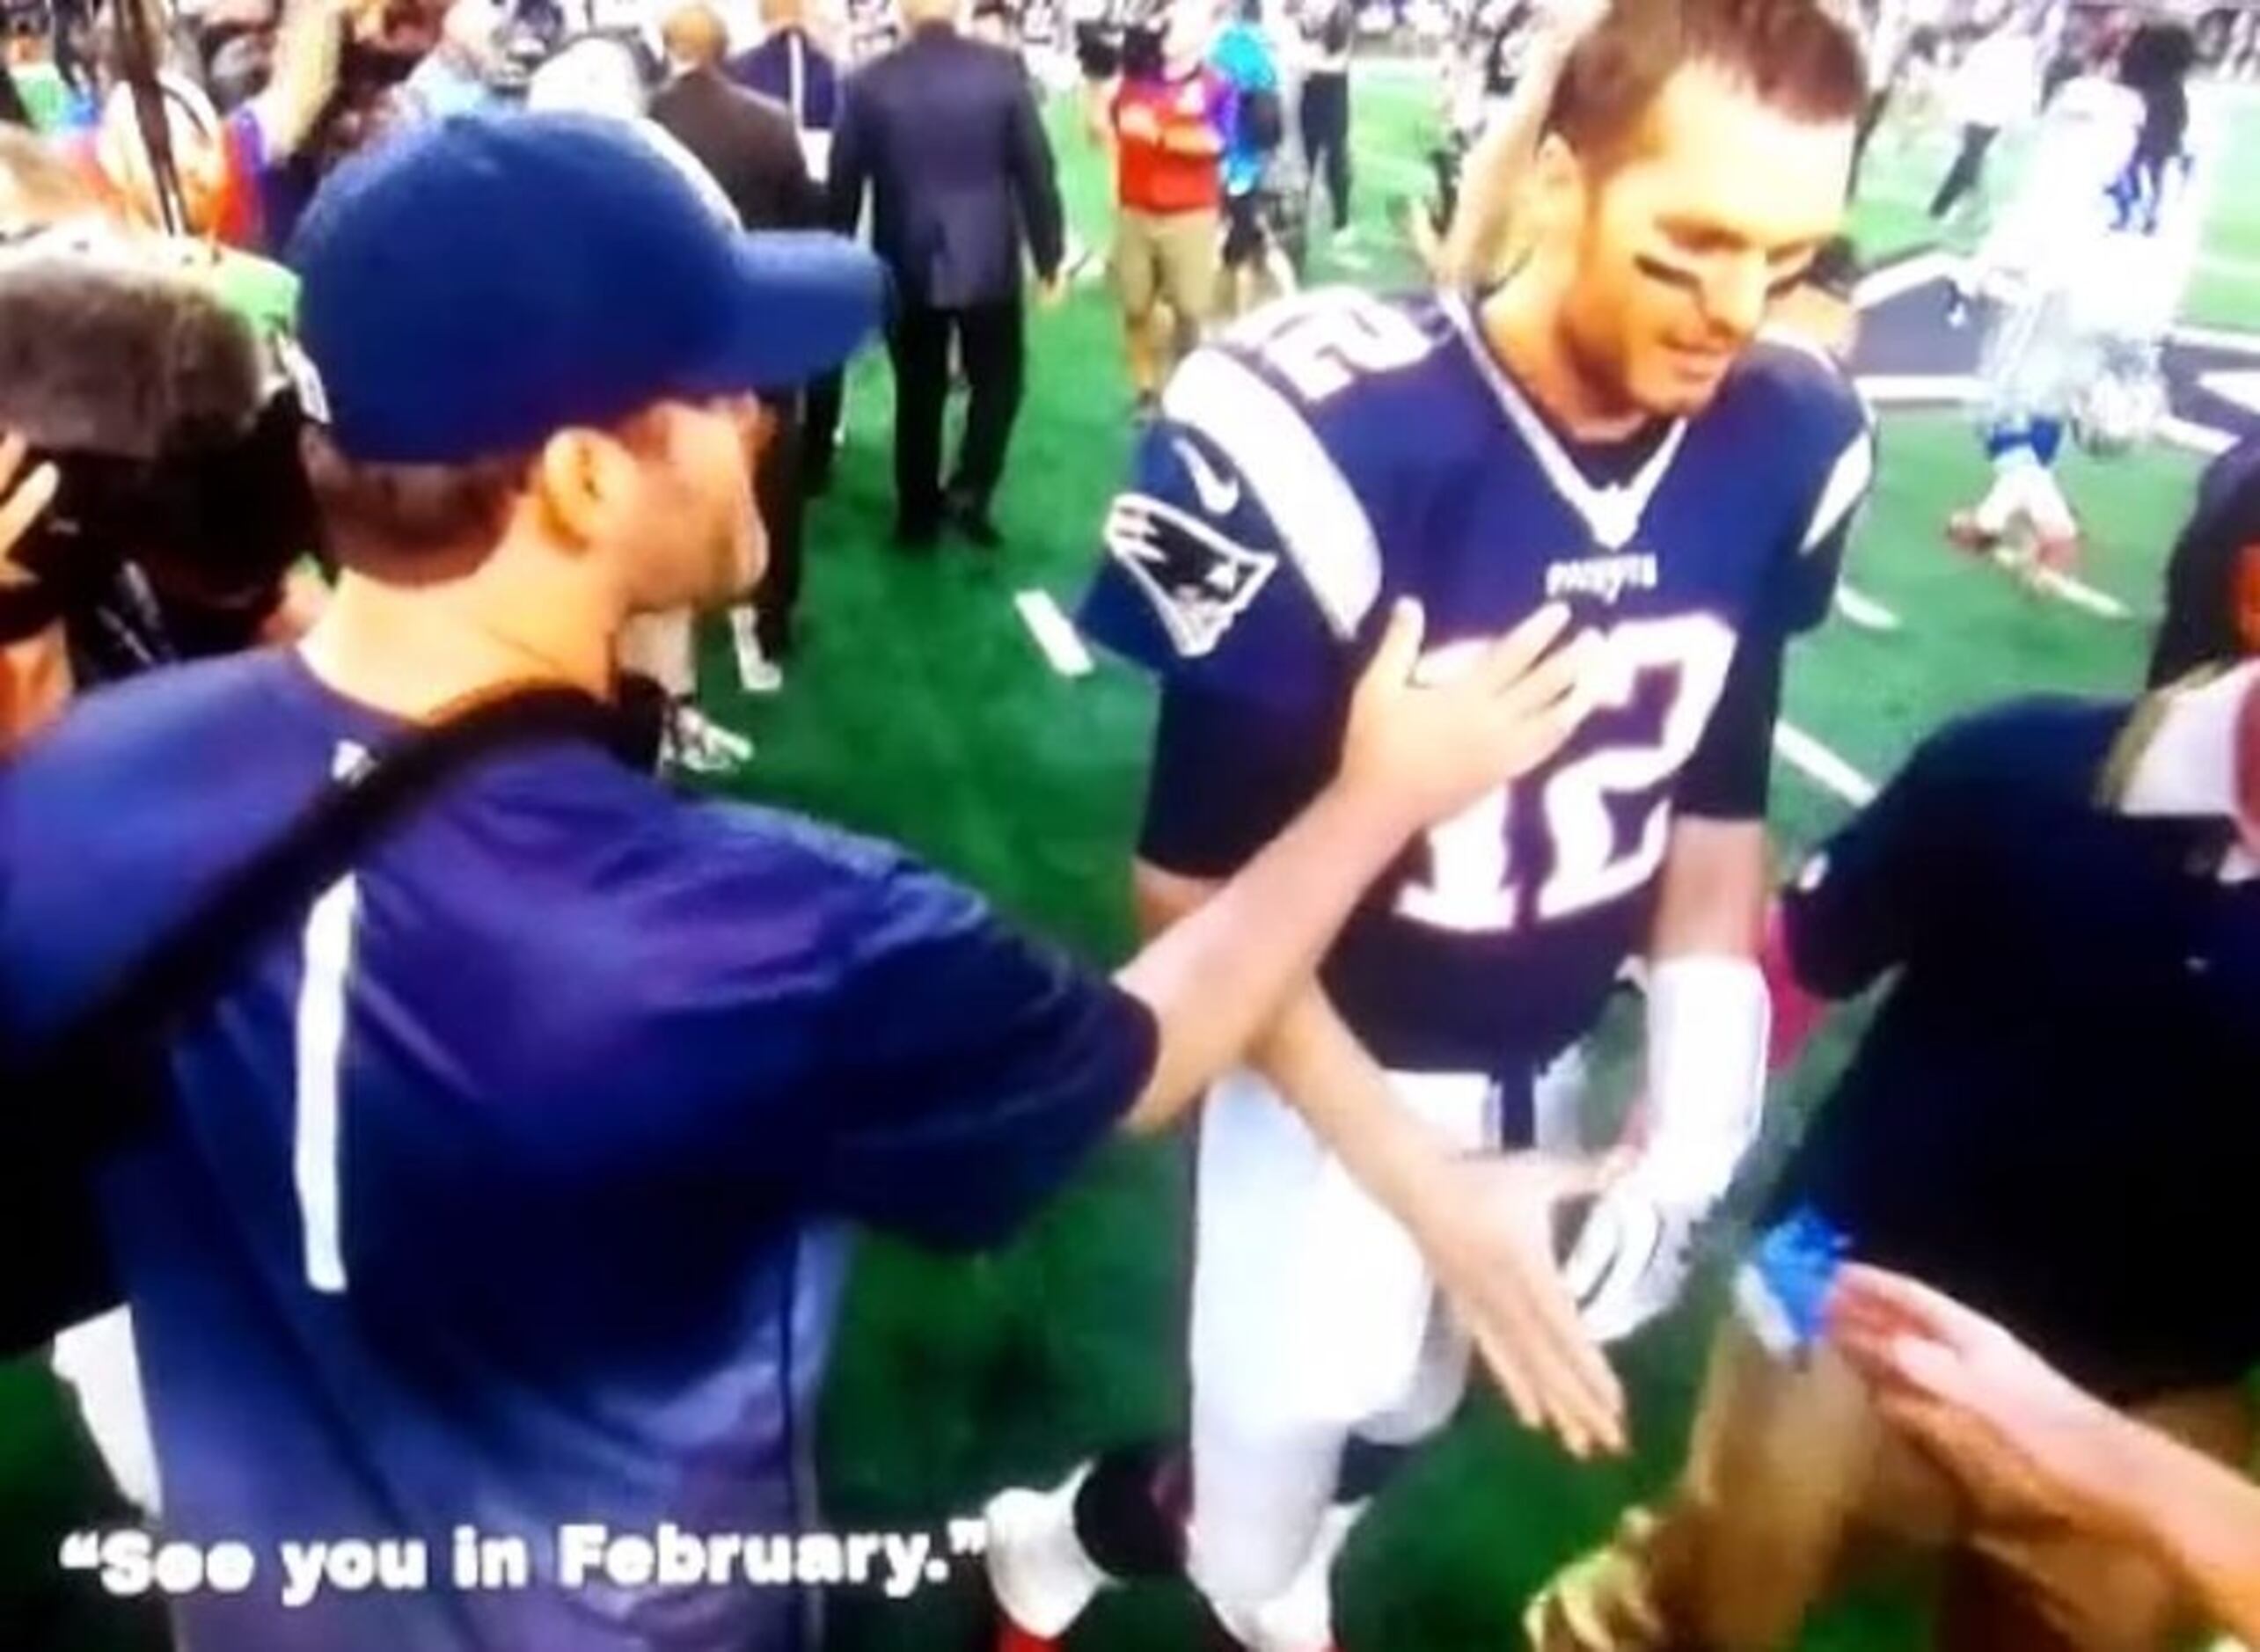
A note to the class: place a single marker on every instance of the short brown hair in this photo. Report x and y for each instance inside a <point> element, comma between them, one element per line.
<point>401,515</point>
<point>1792,54</point>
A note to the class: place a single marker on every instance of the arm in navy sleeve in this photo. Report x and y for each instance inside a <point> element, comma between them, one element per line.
<point>1728,776</point>
<point>1036,183</point>
<point>850,157</point>
<point>1227,776</point>
<point>1858,906</point>
<point>972,1070</point>
<point>1825,405</point>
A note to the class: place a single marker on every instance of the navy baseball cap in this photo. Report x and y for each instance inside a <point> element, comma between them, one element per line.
<point>481,283</point>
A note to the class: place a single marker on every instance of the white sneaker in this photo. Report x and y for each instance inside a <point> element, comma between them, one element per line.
<point>756,672</point>
<point>697,744</point>
<point>1038,1567</point>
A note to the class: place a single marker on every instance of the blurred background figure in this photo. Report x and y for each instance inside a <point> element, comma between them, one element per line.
<point>943,136</point>
<point>1995,88</point>
<point>752,146</point>
<point>792,65</point>
<point>2083,273</point>
<point>1256,265</point>
<point>1329,31</point>
<point>789,64</point>
<point>1168,115</point>
<point>233,171</point>
<point>459,75</point>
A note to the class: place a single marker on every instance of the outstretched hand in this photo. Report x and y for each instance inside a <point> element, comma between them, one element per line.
<point>1490,1242</point>
<point>2027,1442</point>
<point>1430,748</point>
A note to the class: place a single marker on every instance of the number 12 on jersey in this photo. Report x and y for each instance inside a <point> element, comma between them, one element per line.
<point>1472,886</point>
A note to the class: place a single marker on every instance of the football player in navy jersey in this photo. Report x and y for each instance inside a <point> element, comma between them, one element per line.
<point>1604,429</point>
<point>507,1188</point>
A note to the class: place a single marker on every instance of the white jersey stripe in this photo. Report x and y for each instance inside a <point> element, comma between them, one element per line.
<point>1322,527</point>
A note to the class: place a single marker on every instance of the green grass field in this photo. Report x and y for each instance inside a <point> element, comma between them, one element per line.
<point>920,708</point>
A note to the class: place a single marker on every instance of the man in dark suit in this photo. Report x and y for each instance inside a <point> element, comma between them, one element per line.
<point>791,65</point>
<point>944,133</point>
<point>751,146</point>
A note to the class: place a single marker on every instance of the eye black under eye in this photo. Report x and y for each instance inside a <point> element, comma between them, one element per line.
<point>1669,275</point>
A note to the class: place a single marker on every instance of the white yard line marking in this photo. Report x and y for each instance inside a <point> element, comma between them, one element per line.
<point>2065,589</point>
<point>1864,610</point>
<point>2197,438</point>
<point>1906,276</point>
<point>1817,764</point>
<point>2232,340</point>
<point>1887,389</point>
<point>1062,648</point>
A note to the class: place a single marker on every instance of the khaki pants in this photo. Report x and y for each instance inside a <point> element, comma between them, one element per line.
<point>1794,1481</point>
<point>1174,256</point>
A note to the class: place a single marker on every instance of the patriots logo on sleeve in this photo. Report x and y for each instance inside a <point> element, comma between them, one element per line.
<point>1198,581</point>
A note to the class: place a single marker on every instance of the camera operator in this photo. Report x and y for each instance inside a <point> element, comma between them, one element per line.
<point>175,504</point>
<point>158,524</point>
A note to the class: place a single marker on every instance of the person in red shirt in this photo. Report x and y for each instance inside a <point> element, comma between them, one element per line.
<point>1170,119</point>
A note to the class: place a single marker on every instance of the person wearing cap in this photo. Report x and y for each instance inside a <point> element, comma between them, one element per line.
<point>943,136</point>
<point>507,1187</point>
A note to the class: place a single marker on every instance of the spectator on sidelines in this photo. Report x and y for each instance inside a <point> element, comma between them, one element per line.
<point>457,76</point>
<point>454,1217</point>
<point>793,66</point>
<point>751,146</point>
<point>1997,86</point>
<point>1168,117</point>
<point>1255,265</point>
<point>1329,31</point>
<point>944,135</point>
<point>789,65</point>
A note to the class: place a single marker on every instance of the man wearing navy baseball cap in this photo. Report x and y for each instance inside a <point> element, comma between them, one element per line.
<point>498,1205</point>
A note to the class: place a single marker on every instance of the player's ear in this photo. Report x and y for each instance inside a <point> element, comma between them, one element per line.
<point>1553,195</point>
<point>2244,597</point>
<point>583,479</point>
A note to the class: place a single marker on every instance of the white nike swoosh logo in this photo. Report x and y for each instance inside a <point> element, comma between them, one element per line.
<point>1220,494</point>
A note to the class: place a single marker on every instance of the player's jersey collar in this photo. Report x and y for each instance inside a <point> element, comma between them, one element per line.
<point>2175,757</point>
<point>1613,512</point>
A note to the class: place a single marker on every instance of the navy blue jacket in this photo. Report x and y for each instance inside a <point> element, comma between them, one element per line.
<point>944,135</point>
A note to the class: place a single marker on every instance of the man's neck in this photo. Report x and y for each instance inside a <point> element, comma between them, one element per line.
<point>409,651</point>
<point>1521,326</point>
